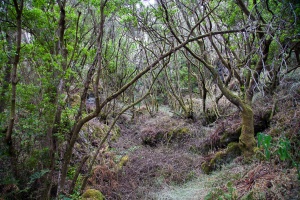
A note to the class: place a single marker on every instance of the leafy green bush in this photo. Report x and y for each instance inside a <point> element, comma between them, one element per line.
<point>282,149</point>
<point>264,140</point>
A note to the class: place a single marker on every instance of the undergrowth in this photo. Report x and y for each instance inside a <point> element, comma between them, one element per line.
<point>258,180</point>
<point>205,185</point>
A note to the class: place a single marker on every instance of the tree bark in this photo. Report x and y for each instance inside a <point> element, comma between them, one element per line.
<point>7,74</point>
<point>56,121</point>
<point>247,141</point>
<point>14,81</point>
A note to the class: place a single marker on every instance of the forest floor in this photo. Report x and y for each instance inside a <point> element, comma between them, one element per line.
<point>161,157</point>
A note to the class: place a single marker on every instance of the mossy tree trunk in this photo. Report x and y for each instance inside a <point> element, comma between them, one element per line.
<point>247,141</point>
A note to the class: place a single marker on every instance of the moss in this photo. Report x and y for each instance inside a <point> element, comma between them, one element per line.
<point>247,141</point>
<point>233,150</point>
<point>123,161</point>
<point>214,163</point>
<point>258,153</point>
<point>178,134</point>
<point>75,100</point>
<point>116,133</point>
<point>99,132</point>
<point>92,194</point>
<point>206,168</point>
<point>218,159</point>
<point>232,136</point>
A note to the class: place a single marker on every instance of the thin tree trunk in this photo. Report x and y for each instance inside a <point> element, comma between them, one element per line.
<point>7,75</point>
<point>14,81</point>
<point>72,187</point>
<point>80,123</point>
<point>54,128</point>
<point>204,96</point>
<point>191,109</point>
<point>177,97</point>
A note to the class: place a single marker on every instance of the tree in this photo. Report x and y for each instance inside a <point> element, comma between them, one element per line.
<point>18,9</point>
<point>58,53</point>
<point>242,46</point>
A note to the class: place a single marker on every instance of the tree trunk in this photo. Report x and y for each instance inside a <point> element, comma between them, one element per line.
<point>204,95</point>
<point>7,74</point>
<point>56,121</point>
<point>177,97</point>
<point>247,141</point>
<point>14,81</point>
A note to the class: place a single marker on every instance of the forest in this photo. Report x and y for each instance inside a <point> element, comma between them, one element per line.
<point>150,99</point>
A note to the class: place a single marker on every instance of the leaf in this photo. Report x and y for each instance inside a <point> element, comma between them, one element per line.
<point>37,175</point>
<point>264,140</point>
<point>284,147</point>
<point>227,196</point>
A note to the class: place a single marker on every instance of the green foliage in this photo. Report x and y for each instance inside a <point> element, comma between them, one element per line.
<point>36,155</point>
<point>37,175</point>
<point>285,154</point>
<point>64,197</point>
<point>264,140</point>
<point>284,148</point>
<point>71,172</point>
<point>76,195</point>
<point>235,14</point>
